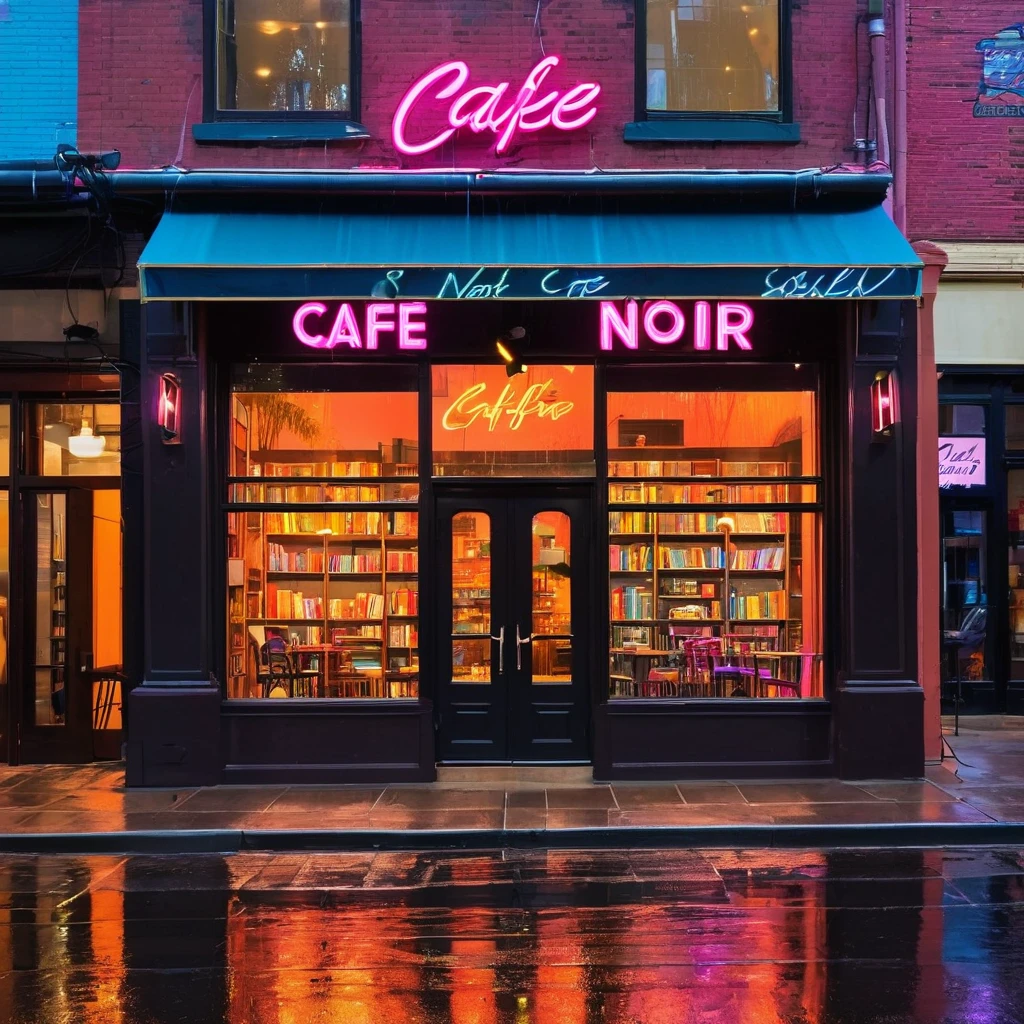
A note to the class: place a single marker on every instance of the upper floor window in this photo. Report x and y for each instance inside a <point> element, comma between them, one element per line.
<point>713,71</point>
<point>284,58</point>
<point>713,56</point>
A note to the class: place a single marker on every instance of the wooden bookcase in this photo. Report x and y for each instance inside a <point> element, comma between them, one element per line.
<point>340,584</point>
<point>666,559</point>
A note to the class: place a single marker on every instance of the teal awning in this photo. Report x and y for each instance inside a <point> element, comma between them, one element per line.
<point>529,255</point>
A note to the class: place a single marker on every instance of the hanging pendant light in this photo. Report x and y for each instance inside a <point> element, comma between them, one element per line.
<point>85,444</point>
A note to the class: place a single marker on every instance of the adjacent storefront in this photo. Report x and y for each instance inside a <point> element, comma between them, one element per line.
<point>620,508</point>
<point>980,353</point>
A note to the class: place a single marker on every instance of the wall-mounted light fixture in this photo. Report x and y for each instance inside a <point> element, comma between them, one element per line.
<point>884,404</point>
<point>507,346</point>
<point>168,413</point>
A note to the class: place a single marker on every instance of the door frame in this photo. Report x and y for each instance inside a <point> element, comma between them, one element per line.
<point>586,610</point>
<point>21,390</point>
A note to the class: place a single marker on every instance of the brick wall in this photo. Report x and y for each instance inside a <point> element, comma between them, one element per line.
<point>38,76</point>
<point>965,174</point>
<point>141,84</point>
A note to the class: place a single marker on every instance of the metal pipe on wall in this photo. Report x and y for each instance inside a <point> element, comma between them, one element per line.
<point>899,127</point>
<point>876,37</point>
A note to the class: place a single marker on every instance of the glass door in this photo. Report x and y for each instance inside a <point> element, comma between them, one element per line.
<point>71,692</point>
<point>514,586</point>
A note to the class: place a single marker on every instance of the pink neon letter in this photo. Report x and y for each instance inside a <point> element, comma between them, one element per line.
<point>409,101</point>
<point>409,329</point>
<point>612,324</point>
<point>579,98</point>
<point>702,326</point>
<point>345,331</point>
<point>736,330</point>
<point>374,324</point>
<point>675,331</point>
<point>299,324</point>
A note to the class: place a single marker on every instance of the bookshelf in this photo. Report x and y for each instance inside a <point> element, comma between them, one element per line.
<point>667,569</point>
<point>342,588</point>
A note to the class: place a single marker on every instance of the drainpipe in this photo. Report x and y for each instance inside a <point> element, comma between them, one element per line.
<point>876,39</point>
<point>899,126</point>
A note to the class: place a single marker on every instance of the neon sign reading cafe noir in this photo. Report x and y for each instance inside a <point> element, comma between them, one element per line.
<point>717,327</point>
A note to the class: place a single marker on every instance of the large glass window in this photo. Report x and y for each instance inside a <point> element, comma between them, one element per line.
<point>1015,501</point>
<point>5,439</point>
<point>74,439</point>
<point>712,56</point>
<point>536,423</point>
<point>284,56</point>
<point>714,551</point>
<point>322,574</point>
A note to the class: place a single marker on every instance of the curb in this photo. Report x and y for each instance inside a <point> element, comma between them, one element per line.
<point>911,834</point>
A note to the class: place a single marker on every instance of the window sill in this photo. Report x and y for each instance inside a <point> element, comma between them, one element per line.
<point>711,130</point>
<point>280,132</point>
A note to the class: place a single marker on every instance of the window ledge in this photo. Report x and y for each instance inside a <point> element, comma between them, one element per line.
<point>281,132</point>
<point>711,130</point>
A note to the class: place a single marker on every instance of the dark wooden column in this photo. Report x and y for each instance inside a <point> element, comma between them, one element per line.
<point>174,737</point>
<point>879,703</point>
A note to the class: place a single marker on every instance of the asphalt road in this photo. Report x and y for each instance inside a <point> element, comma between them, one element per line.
<point>524,937</point>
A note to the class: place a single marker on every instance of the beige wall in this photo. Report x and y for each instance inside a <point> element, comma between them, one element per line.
<point>41,315</point>
<point>979,308</point>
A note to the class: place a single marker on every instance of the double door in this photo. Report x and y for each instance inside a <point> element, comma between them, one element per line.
<point>515,580</point>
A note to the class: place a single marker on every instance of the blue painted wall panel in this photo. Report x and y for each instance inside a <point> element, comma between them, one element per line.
<point>38,77</point>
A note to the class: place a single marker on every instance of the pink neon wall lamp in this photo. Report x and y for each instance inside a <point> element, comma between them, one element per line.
<point>480,108</point>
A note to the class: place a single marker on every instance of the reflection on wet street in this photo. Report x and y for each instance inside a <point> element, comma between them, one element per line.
<point>524,937</point>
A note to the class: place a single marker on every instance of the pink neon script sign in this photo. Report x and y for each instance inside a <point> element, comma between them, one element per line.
<point>479,108</point>
<point>664,324</point>
<point>379,319</point>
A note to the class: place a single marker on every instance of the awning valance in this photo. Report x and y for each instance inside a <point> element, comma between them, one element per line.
<point>529,255</point>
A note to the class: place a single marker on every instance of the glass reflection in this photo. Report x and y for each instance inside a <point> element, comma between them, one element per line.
<point>551,652</point>
<point>471,597</point>
<point>517,937</point>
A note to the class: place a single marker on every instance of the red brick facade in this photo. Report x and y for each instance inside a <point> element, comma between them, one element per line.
<point>965,174</point>
<point>141,84</point>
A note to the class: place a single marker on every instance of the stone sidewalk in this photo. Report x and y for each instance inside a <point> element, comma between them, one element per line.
<point>960,800</point>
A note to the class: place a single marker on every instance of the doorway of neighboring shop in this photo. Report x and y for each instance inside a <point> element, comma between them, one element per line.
<point>514,611</point>
<point>64,581</point>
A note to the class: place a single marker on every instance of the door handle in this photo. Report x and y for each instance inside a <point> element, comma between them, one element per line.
<point>520,640</point>
<point>501,650</point>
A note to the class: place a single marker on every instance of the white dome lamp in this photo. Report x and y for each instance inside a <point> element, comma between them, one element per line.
<point>85,444</point>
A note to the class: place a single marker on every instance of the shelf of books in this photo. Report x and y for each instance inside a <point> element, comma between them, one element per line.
<point>340,588</point>
<point>669,578</point>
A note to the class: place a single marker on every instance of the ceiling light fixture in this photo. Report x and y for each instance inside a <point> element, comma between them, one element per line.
<point>85,444</point>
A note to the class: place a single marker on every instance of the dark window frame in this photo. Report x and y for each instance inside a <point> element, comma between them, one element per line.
<point>220,125</point>
<point>711,125</point>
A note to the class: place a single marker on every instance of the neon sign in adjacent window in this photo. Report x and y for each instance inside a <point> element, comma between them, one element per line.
<point>480,108</point>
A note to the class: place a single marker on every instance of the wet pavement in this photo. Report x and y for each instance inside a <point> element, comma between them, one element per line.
<point>523,937</point>
<point>983,788</point>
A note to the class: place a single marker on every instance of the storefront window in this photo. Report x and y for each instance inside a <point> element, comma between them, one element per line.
<point>75,439</point>
<point>323,594</point>
<point>714,598</point>
<point>707,57</point>
<point>288,56</point>
<point>961,420</point>
<point>1015,499</point>
<point>536,423</point>
<point>1015,427</point>
<point>5,439</point>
